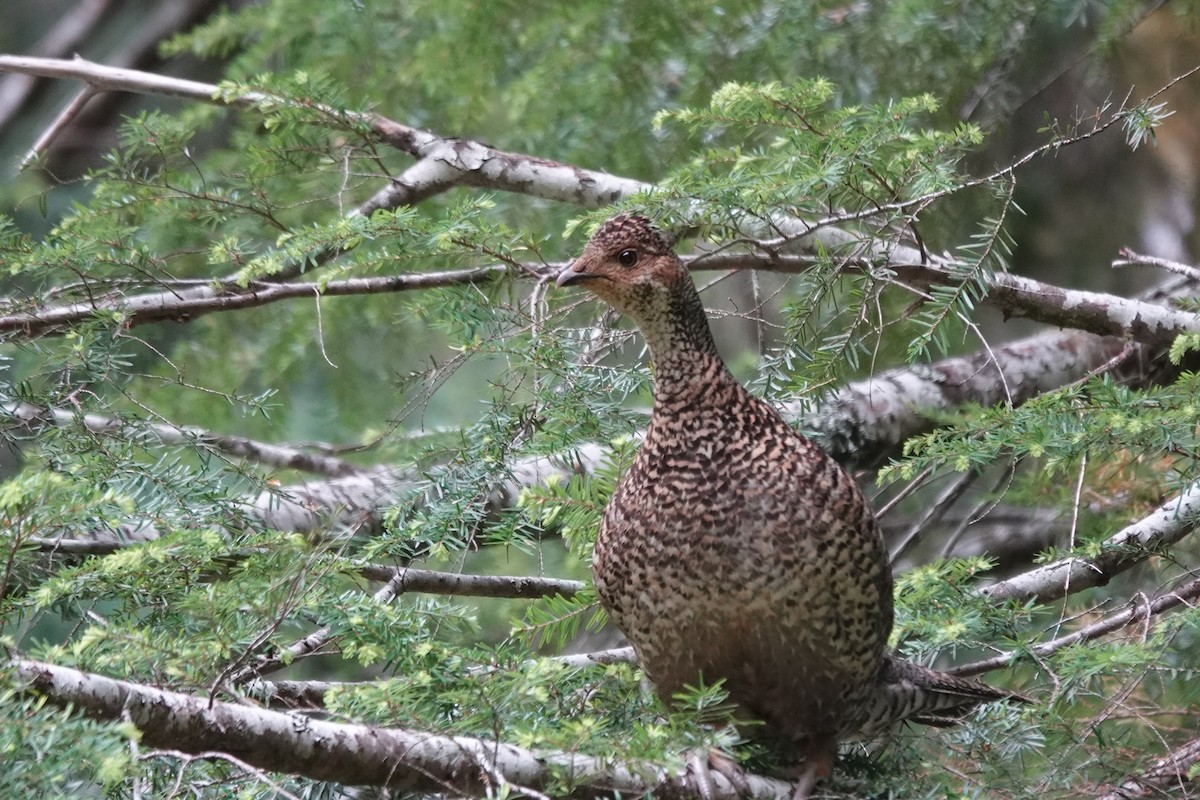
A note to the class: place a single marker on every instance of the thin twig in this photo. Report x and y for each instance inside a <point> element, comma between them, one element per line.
<point>1127,350</point>
<point>273,455</point>
<point>1130,258</point>
<point>321,329</point>
<point>1168,777</point>
<point>65,117</point>
<point>1132,614</point>
<point>403,580</point>
<point>215,755</point>
<point>913,485</point>
<point>1134,544</point>
<point>948,497</point>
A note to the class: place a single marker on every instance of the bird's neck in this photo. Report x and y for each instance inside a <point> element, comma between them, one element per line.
<point>687,366</point>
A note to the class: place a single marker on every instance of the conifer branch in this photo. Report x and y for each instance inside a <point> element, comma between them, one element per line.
<point>443,162</point>
<point>184,305</point>
<point>354,755</point>
<point>1149,536</point>
<point>409,579</point>
<point>455,160</point>
<point>861,425</point>
<point>1135,613</point>
<point>264,453</point>
<point>1171,776</point>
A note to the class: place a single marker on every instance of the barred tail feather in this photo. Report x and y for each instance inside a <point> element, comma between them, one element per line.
<point>907,692</point>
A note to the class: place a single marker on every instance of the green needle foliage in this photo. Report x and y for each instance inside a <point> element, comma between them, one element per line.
<point>477,427</point>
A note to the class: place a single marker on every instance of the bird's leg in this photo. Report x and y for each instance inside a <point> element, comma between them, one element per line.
<point>805,785</point>
<point>697,767</point>
<point>701,765</point>
<point>818,764</point>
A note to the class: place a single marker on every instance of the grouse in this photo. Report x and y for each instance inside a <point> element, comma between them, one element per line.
<point>734,548</point>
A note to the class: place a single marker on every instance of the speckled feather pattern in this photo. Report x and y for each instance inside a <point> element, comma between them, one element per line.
<point>734,548</point>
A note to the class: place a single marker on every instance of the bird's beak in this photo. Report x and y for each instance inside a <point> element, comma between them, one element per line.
<point>572,274</point>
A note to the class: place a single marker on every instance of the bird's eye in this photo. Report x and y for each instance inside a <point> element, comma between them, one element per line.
<point>627,258</point>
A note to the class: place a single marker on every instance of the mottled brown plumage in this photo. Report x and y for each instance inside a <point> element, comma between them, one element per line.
<point>734,548</point>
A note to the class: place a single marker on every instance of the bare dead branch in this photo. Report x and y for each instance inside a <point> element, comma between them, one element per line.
<point>271,455</point>
<point>64,37</point>
<point>476,164</point>
<point>1135,613</point>
<point>409,579</point>
<point>1130,258</point>
<point>1173,776</point>
<point>1097,313</point>
<point>1104,314</point>
<point>1149,536</point>
<point>357,755</point>
<point>164,19</point>
<point>78,547</point>
<point>616,655</point>
<point>187,304</point>
<point>64,120</point>
<point>116,79</point>
<point>864,423</point>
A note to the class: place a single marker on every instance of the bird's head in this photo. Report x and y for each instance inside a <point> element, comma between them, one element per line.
<point>629,263</point>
